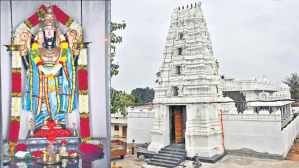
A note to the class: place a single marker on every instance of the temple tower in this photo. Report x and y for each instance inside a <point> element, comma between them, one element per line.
<point>188,83</point>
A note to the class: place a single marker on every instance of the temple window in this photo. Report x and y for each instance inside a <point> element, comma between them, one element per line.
<point>116,128</point>
<point>180,51</point>
<point>175,91</point>
<point>181,35</point>
<point>177,70</point>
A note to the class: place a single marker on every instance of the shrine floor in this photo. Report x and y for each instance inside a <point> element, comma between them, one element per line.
<point>228,161</point>
<point>100,161</point>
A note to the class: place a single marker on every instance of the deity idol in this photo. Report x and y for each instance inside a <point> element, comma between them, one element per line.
<point>50,64</point>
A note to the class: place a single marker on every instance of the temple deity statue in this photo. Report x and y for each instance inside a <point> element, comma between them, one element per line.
<point>50,64</point>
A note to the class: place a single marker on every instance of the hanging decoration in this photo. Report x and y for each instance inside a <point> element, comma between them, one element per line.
<point>15,101</point>
<point>222,130</point>
<point>83,87</point>
<point>16,87</point>
<point>83,96</point>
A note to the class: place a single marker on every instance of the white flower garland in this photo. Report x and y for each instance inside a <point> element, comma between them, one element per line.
<point>84,102</point>
<point>16,101</point>
<point>76,26</point>
<point>16,59</point>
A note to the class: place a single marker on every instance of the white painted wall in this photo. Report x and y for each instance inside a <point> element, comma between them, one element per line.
<point>139,127</point>
<point>94,31</point>
<point>261,133</point>
<point>288,135</point>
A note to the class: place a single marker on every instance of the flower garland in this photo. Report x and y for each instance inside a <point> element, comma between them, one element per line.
<point>97,143</point>
<point>15,101</point>
<point>222,130</point>
<point>83,96</point>
<point>57,66</point>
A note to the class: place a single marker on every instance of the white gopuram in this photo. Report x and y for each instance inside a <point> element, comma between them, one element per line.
<point>188,81</point>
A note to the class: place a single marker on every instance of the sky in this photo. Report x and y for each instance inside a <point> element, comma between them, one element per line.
<point>250,38</point>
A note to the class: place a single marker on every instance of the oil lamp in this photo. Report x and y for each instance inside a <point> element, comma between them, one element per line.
<point>12,47</point>
<point>81,44</point>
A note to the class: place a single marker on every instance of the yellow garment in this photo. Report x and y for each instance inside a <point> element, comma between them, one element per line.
<point>114,166</point>
<point>34,46</point>
<point>65,45</point>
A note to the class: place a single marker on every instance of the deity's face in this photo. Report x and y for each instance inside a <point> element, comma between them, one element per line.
<point>50,37</point>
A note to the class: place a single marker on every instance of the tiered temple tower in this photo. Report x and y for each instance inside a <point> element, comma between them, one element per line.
<point>188,79</point>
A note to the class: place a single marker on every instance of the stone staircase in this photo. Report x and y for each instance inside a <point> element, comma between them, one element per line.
<point>168,157</point>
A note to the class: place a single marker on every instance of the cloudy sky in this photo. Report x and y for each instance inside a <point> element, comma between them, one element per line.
<point>250,38</point>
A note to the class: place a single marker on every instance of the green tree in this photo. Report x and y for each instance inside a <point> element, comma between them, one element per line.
<point>146,94</point>
<point>120,101</point>
<point>293,83</point>
<point>138,101</point>
<point>115,40</point>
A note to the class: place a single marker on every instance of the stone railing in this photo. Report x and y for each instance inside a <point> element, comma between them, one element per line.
<point>141,115</point>
<point>240,116</point>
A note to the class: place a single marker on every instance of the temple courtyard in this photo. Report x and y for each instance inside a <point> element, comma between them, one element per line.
<point>227,161</point>
<point>231,161</point>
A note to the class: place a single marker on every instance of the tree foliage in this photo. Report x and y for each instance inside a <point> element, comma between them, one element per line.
<point>114,40</point>
<point>293,83</point>
<point>146,95</point>
<point>120,101</point>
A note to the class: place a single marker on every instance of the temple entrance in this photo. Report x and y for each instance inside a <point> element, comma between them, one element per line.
<point>177,124</point>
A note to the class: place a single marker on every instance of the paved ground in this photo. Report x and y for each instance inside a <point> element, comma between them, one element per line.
<point>228,161</point>
<point>294,152</point>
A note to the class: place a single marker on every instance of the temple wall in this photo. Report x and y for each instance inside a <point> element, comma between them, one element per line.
<point>94,31</point>
<point>139,126</point>
<point>261,133</point>
<point>288,135</point>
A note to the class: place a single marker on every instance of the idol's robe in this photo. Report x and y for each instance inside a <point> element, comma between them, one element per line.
<point>49,104</point>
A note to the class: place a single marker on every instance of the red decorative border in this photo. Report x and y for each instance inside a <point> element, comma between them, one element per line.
<point>222,130</point>
<point>40,14</point>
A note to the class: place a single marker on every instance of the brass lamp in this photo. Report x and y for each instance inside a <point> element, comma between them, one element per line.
<point>81,44</point>
<point>12,47</point>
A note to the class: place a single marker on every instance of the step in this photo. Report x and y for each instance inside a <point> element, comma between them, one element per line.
<point>172,152</point>
<point>165,161</point>
<point>169,155</point>
<point>161,164</point>
<point>173,149</point>
<point>167,158</point>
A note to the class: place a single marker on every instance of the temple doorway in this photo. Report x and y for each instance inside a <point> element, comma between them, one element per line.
<point>177,124</point>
